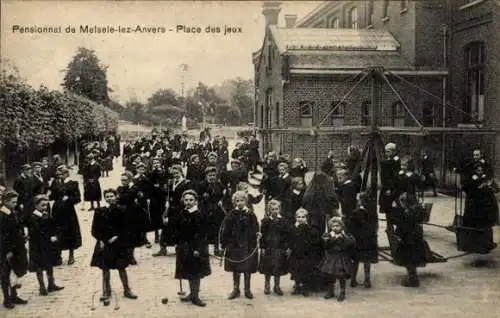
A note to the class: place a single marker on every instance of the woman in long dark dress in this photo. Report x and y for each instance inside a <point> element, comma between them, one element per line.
<point>66,195</point>
<point>320,199</point>
<point>211,192</point>
<point>110,229</point>
<point>127,198</point>
<point>91,184</point>
<point>13,255</point>
<point>192,261</point>
<point>44,251</point>
<point>481,207</point>
<point>239,237</point>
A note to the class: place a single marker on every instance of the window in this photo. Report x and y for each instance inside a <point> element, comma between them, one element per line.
<point>277,114</point>
<point>306,113</point>
<point>365,113</point>
<point>404,5</point>
<point>370,13</point>
<point>385,9</point>
<point>261,123</point>
<point>270,55</point>
<point>474,62</point>
<point>353,18</point>
<point>334,23</point>
<point>269,105</point>
<point>398,114</point>
<point>337,116</point>
<point>428,110</point>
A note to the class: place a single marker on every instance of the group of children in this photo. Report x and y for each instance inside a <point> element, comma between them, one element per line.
<point>303,232</point>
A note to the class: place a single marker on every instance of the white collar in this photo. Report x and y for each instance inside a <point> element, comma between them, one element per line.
<point>278,217</point>
<point>409,173</point>
<point>193,209</point>
<point>38,213</point>
<point>296,191</point>
<point>347,181</point>
<point>5,210</point>
<point>245,209</point>
<point>297,224</point>
<point>285,175</point>
<point>66,180</point>
<point>362,207</point>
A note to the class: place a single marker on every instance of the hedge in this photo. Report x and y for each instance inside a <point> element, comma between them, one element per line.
<point>34,119</point>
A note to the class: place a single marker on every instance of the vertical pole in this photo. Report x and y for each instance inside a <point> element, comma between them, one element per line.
<point>77,153</point>
<point>373,164</point>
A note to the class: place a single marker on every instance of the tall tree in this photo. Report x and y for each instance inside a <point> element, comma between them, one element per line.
<point>86,76</point>
<point>164,97</point>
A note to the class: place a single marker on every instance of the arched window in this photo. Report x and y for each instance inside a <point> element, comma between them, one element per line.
<point>474,64</point>
<point>398,114</point>
<point>334,23</point>
<point>353,18</point>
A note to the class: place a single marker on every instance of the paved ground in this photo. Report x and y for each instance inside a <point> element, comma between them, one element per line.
<point>452,289</point>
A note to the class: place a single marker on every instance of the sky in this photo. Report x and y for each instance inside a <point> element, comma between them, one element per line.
<point>138,63</point>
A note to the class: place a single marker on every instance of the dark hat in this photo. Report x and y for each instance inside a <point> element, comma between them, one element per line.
<point>190,191</point>
<point>25,167</point>
<point>212,154</point>
<point>9,194</point>
<point>210,169</point>
<point>36,164</point>
<point>140,165</point>
<point>39,198</point>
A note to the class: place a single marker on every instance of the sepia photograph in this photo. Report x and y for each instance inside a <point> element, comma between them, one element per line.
<point>250,158</point>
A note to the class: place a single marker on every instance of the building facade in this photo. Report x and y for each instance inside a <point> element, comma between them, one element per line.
<point>307,67</point>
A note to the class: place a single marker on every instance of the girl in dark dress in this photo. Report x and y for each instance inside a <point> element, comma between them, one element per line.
<point>363,225</point>
<point>193,261</point>
<point>110,229</point>
<point>304,252</point>
<point>66,195</point>
<point>337,262</point>
<point>409,249</point>
<point>239,238</point>
<point>44,251</point>
<point>274,247</point>
<point>91,185</point>
<point>13,258</point>
<point>293,199</point>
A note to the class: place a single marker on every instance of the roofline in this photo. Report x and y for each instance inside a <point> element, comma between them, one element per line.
<point>354,71</point>
<point>312,13</point>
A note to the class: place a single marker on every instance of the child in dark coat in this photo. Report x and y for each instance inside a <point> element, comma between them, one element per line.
<point>192,262</point>
<point>274,247</point>
<point>112,249</point>
<point>337,263</point>
<point>363,225</point>
<point>239,238</point>
<point>44,251</point>
<point>303,244</point>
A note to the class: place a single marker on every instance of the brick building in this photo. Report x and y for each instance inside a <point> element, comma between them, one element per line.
<point>307,67</point>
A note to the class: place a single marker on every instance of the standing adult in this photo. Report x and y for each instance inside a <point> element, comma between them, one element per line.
<point>66,195</point>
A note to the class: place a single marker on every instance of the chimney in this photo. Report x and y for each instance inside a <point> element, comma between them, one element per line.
<point>290,20</point>
<point>271,10</point>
